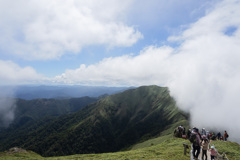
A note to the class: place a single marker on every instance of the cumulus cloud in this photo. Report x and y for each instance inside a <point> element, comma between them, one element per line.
<point>202,73</point>
<point>11,73</point>
<point>127,69</point>
<point>48,29</point>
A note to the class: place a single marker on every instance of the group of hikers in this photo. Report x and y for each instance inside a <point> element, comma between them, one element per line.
<point>200,140</point>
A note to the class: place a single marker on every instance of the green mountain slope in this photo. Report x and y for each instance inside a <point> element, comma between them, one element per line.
<point>111,124</point>
<point>28,110</point>
<point>169,149</point>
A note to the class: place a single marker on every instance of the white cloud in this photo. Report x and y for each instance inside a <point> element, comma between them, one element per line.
<point>124,70</point>
<point>11,73</point>
<point>207,72</point>
<point>202,73</point>
<point>48,29</point>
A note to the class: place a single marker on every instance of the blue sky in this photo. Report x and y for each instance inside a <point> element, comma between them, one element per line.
<point>154,20</point>
<point>190,46</point>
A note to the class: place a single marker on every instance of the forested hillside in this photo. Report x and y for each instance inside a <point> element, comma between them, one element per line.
<point>111,124</point>
<point>28,110</point>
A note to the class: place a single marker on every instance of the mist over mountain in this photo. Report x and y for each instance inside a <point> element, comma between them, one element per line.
<point>7,106</point>
<point>110,124</point>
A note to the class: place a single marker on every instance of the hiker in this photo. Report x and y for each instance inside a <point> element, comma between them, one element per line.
<point>213,137</point>
<point>213,153</point>
<point>221,138</point>
<point>196,142</point>
<point>178,132</point>
<point>225,136</point>
<point>184,133</point>
<point>219,135</point>
<point>189,133</point>
<point>208,135</point>
<point>203,132</point>
<point>204,145</point>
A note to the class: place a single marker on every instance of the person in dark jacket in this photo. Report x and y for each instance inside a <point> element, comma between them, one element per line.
<point>219,136</point>
<point>195,138</point>
<point>189,133</point>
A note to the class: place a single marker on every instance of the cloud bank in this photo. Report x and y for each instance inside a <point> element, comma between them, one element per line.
<point>41,30</point>
<point>13,74</point>
<point>202,72</point>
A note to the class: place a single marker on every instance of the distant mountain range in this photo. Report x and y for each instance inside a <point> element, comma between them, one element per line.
<point>110,124</point>
<point>29,92</point>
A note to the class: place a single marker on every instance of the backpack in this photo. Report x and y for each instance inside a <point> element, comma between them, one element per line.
<point>193,139</point>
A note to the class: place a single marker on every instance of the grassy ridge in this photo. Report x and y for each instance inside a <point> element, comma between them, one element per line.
<point>231,149</point>
<point>111,124</point>
<point>168,148</point>
<point>158,140</point>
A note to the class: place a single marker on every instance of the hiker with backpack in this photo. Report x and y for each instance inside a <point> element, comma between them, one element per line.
<point>178,132</point>
<point>204,145</point>
<point>196,142</point>
<point>225,136</point>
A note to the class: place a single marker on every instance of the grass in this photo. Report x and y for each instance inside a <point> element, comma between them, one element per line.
<point>170,149</point>
<point>18,156</point>
<point>161,148</point>
<point>231,149</point>
<point>166,134</point>
<point>151,142</point>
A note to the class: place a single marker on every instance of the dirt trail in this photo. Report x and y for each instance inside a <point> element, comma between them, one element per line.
<point>208,156</point>
<point>200,155</point>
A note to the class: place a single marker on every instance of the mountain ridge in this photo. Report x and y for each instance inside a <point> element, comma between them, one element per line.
<point>29,92</point>
<point>108,125</point>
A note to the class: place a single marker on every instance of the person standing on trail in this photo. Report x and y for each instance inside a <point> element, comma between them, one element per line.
<point>204,132</point>
<point>189,133</point>
<point>213,153</point>
<point>204,145</point>
<point>213,137</point>
<point>196,142</point>
<point>225,136</point>
<point>219,135</point>
<point>208,135</point>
